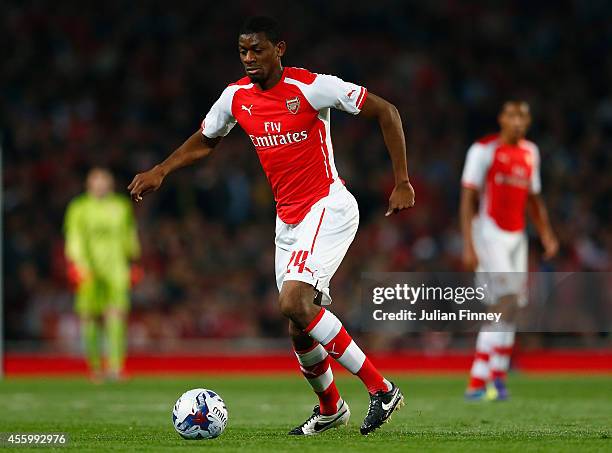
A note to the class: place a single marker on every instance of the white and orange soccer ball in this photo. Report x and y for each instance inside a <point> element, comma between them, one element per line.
<point>199,414</point>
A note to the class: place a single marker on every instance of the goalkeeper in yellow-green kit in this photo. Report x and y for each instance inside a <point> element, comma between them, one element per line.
<point>101,241</point>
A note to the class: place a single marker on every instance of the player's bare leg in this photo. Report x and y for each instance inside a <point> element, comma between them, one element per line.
<point>115,321</point>
<point>297,304</point>
<point>508,307</point>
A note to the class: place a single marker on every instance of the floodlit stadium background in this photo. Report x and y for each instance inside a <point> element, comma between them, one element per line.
<point>121,85</point>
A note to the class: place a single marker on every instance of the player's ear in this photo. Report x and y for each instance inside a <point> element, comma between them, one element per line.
<point>281,46</point>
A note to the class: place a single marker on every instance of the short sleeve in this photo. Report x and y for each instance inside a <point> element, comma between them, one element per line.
<point>330,91</point>
<point>219,121</point>
<point>535,184</point>
<point>476,165</point>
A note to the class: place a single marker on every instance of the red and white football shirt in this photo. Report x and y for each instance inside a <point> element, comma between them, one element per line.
<point>505,175</point>
<point>289,125</point>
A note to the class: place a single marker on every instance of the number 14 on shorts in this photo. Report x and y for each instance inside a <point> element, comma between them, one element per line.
<point>297,262</point>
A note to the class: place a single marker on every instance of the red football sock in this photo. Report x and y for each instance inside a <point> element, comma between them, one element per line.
<point>316,368</point>
<point>500,361</point>
<point>328,330</point>
<point>481,372</point>
<point>479,380</point>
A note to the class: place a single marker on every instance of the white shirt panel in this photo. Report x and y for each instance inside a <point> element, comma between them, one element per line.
<point>330,91</point>
<point>219,120</point>
<point>535,184</point>
<point>477,163</point>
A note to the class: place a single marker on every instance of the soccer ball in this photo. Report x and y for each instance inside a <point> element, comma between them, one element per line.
<point>199,414</point>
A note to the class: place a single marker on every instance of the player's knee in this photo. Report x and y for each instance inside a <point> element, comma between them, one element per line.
<point>296,300</point>
<point>508,306</point>
<point>509,299</point>
<point>289,302</point>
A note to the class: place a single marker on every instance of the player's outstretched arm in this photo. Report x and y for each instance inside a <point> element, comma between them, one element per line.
<point>195,147</point>
<point>467,210</point>
<point>538,213</point>
<point>390,123</point>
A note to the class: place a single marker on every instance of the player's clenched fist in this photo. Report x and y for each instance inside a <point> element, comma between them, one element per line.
<point>146,182</point>
<point>550,244</point>
<point>402,197</point>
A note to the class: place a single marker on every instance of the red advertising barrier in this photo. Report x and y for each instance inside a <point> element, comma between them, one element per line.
<point>562,361</point>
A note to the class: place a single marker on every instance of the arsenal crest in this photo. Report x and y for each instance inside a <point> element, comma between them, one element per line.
<point>293,105</point>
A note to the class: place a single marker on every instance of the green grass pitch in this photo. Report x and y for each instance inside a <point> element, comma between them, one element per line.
<point>546,413</point>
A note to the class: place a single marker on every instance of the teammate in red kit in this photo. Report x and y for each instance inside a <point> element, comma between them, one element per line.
<point>286,114</point>
<point>501,181</point>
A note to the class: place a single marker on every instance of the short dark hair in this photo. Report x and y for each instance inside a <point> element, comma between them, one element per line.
<point>514,101</point>
<point>262,24</point>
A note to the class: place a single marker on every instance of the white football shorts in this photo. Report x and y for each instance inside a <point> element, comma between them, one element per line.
<point>502,260</point>
<point>311,251</point>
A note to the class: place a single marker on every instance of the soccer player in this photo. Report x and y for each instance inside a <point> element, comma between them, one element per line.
<point>501,181</point>
<point>101,239</point>
<point>285,111</point>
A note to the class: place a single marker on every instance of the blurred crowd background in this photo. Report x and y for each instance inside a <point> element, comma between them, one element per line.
<point>121,84</point>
